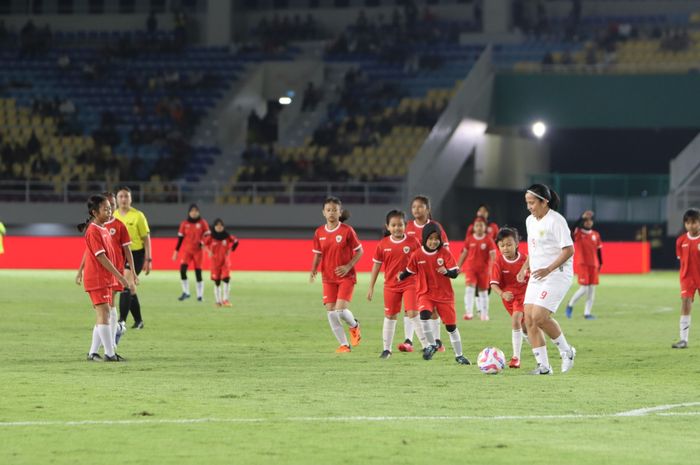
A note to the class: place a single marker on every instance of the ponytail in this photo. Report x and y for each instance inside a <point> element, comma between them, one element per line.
<point>344,215</point>
<point>83,226</point>
<point>93,205</point>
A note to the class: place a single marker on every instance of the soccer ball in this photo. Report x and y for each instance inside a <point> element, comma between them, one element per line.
<point>491,360</point>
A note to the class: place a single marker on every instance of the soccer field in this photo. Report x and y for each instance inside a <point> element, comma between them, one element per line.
<point>260,383</point>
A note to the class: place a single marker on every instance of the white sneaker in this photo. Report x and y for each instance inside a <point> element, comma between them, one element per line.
<point>541,370</point>
<point>567,360</point>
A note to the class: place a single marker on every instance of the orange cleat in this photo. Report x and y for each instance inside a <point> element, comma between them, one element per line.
<point>342,349</point>
<point>355,335</point>
<point>467,317</point>
<point>226,304</point>
<point>514,363</point>
<point>405,347</point>
<point>440,347</point>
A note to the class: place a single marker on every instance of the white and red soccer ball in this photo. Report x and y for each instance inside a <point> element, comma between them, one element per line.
<point>491,360</point>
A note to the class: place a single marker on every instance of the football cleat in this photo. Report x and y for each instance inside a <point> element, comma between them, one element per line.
<point>429,351</point>
<point>342,349</point>
<point>183,297</point>
<point>680,345</point>
<point>467,316</point>
<point>355,334</point>
<point>484,317</point>
<point>569,311</point>
<point>217,305</point>
<point>567,359</point>
<point>200,299</point>
<point>114,358</point>
<point>226,304</point>
<point>589,317</point>
<point>138,325</point>
<point>541,370</point>
<point>94,358</point>
<point>514,362</point>
<point>386,354</point>
<point>406,346</point>
<point>438,344</point>
<point>462,360</point>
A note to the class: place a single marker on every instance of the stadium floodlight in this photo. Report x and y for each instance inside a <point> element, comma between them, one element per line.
<point>285,100</point>
<point>539,129</point>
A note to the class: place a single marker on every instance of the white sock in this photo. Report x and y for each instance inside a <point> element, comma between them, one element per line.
<point>217,293</point>
<point>408,328</point>
<point>419,331</point>
<point>113,323</point>
<point>484,298</point>
<point>106,339</point>
<point>428,326</point>
<point>337,328</point>
<point>517,342</point>
<point>95,346</point>
<point>577,295</point>
<point>685,327</point>
<point>526,339</point>
<point>456,342</point>
<point>562,344</point>
<point>388,333</point>
<point>589,300</point>
<point>227,291</point>
<point>541,356</point>
<point>469,297</point>
<point>347,316</point>
<point>200,289</point>
<point>185,287</point>
<point>436,328</point>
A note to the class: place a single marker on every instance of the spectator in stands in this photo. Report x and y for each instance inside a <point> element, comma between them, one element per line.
<point>310,98</point>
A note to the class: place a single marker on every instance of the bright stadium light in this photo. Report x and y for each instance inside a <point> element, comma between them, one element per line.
<point>285,100</point>
<point>539,129</point>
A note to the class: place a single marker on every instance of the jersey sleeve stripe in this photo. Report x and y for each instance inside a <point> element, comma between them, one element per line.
<point>126,243</point>
<point>101,251</point>
<point>358,247</point>
<point>316,251</point>
<point>454,268</point>
<point>377,261</point>
<point>409,270</point>
<point>495,282</point>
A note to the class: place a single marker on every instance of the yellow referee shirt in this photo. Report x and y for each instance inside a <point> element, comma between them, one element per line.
<point>2,234</point>
<point>136,224</point>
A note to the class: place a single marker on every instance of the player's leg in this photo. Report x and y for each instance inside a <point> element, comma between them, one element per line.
<point>392,308</point>
<point>125,299</point>
<point>102,325</point>
<point>342,306</point>
<point>330,292</point>
<point>686,307</point>
<point>217,290</point>
<point>226,278</point>
<point>449,316</point>
<point>516,318</point>
<point>539,347</point>
<point>435,319</point>
<point>483,295</point>
<point>590,298</point>
<point>197,262</point>
<point>426,318</point>
<point>183,280</point>
<point>410,305</point>
<point>114,318</point>
<point>469,294</point>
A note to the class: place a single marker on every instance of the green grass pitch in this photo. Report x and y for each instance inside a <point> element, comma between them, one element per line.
<point>260,383</point>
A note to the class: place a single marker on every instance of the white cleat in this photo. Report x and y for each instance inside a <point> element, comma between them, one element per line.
<point>567,360</point>
<point>541,370</point>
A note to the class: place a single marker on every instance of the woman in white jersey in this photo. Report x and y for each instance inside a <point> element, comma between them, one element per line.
<point>550,260</point>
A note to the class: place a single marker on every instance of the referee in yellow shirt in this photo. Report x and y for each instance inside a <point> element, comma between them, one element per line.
<point>137,225</point>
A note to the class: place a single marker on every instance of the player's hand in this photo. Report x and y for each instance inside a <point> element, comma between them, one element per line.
<point>312,277</point>
<point>131,287</point>
<point>442,270</point>
<point>174,256</point>
<point>507,296</point>
<point>342,270</point>
<point>541,273</point>
<point>79,278</point>
<point>135,279</point>
<point>370,294</point>
<point>147,266</point>
<point>521,276</point>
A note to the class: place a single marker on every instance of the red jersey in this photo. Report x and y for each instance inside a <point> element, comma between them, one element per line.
<point>220,248</point>
<point>491,230</point>
<point>479,252</point>
<point>416,231</point>
<point>434,285</point>
<point>193,234</point>
<point>395,255</point>
<point>336,247</point>
<point>120,238</point>
<point>688,252</point>
<point>98,241</point>
<point>586,245</point>
<point>504,273</point>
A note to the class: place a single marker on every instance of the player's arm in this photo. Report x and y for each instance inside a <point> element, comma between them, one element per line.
<point>314,266</point>
<point>343,270</point>
<point>79,276</point>
<point>180,238</point>
<point>600,257</point>
<point>104,261</point>
<point>523,270</point>
<point>373,279</point>
<point>130,260</point>
<point>565,254</point>
<point>462,257</point>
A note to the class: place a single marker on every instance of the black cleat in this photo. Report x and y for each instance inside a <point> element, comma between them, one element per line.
<point>462,360</point>
<point>200,299</point>
<point>138,325</point>
<point>386,354</point>
<point>115,358</point>
<point>429,351</point>
<point>680,345</point>
<point>183,297</point>
<point>94,358</point>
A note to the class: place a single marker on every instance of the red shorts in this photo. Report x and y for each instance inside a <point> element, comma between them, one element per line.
<point>342,290</point>
<point>688,288</point>
<point>515,305</point>
<point>220,272</point>
<point>478,278</point>
<point>446,310</point>
<point>393,298</point>
<point>193,256</point>
<point>587,275</point>
<point>101,296</point>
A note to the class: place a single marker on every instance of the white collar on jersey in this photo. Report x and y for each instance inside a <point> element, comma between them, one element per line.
<point>425,251</point>
<point>691,237</point>
<point>420,226</point>
<point>325,226</point>
<point>391,238</point>
<point>517,257</point>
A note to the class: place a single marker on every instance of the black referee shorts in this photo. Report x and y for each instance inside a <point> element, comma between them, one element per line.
<point>139,258</point>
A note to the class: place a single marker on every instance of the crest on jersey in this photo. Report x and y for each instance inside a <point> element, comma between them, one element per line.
<point>406,249</point>
<point>338,238</point>
<point>112,231</point>
<point>483,246</point>
<point>199,225</point>
<point>541,232</point>
<point>440,261</point>
<point>698,246</point>
<point>223,242</point>
<point>593,237</point>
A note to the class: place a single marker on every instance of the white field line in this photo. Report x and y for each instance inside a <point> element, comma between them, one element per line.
<point>660,410</point>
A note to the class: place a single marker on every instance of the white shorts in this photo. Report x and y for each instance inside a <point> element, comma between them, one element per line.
<point>549,292</point>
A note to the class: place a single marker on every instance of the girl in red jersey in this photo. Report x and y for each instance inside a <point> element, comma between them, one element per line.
<point>219,245</point>
<point>504,282</point>
<point>434,266</point>
<point>100,274</point>
<point>394,251</point>
<point>192,232</point>
<point>479,252</point>
<point>589,259</point>
<point>688,252</point>
<point>421,211</point>
<point>120,242</point>
<point>491,228</point>
<point>337,249</point>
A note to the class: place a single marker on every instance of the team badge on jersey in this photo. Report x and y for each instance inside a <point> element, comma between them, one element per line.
<point>440,261</point>
<point>593,237</point>
<point>483,246</point>
<point>338,238</point>
<point>406,249</point>
<point>199,225</point>
<point>112,231</point>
